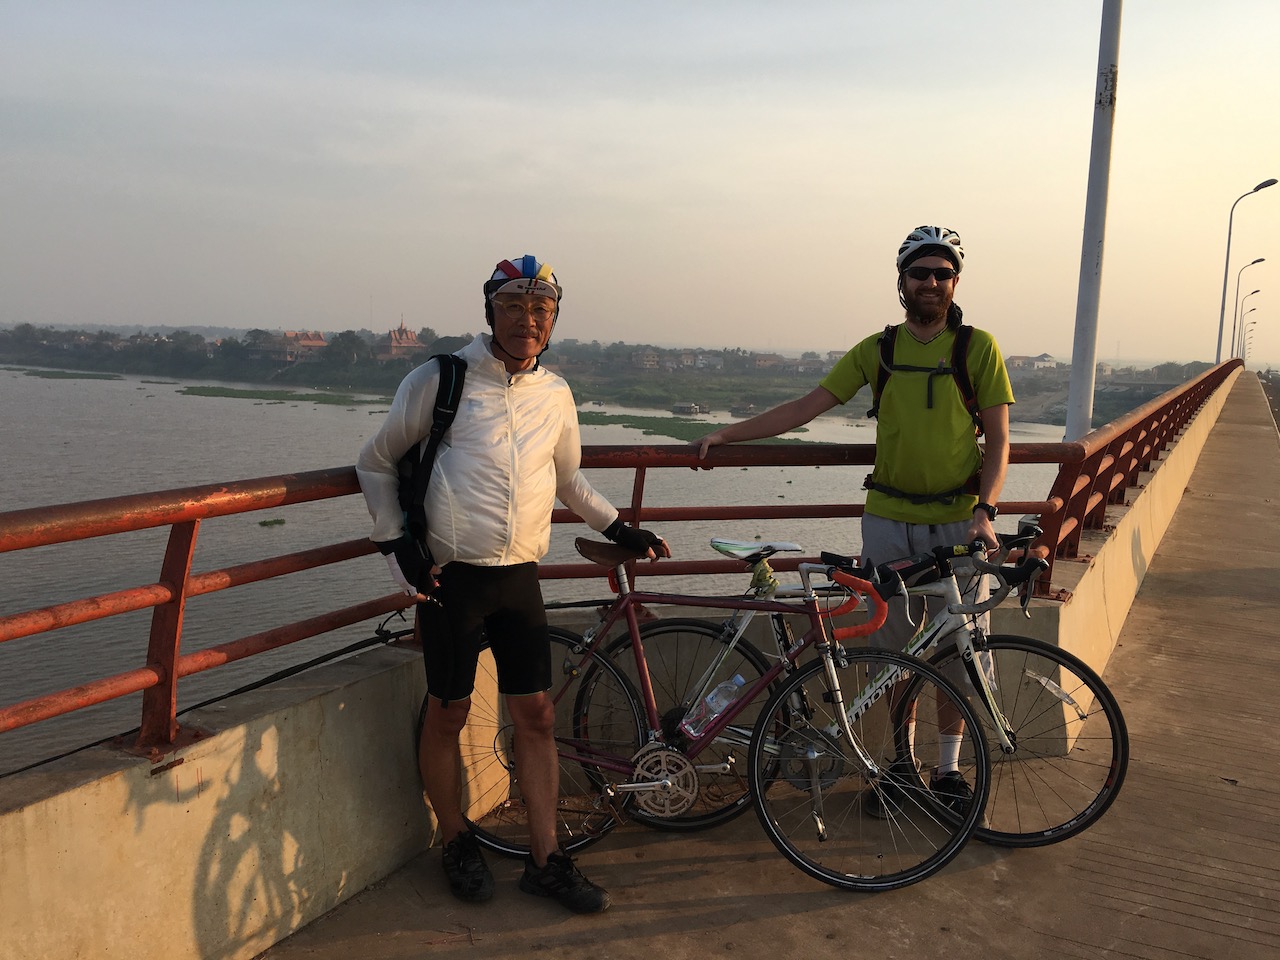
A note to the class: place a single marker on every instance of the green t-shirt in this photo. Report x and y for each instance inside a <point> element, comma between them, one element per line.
<point>921,450</point>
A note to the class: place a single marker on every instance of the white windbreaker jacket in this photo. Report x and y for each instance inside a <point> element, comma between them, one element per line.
<point>513,448</point>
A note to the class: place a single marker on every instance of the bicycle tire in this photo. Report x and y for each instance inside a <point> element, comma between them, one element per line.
<point>1067,769</point>
<point>678,651</point>
<point>613,723</point>
<point>813,795</point>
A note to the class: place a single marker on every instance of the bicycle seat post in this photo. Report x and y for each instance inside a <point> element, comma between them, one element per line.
<point>620,574</point>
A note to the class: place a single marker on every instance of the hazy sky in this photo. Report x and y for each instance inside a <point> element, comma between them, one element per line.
<point>703,173</point>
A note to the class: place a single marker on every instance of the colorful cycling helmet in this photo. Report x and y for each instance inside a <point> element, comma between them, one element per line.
<point>523,275</point>
<point>922,241</point>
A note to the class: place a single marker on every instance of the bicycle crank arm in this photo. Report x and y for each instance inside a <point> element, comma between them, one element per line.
<point>644,786</point>
<point>718,768</point>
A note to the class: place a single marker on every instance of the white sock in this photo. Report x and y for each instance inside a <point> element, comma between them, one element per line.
<point>949,752</point>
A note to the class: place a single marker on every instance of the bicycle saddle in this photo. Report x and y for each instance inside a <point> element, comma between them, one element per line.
<point>605,554</point>
<point>751,551</point>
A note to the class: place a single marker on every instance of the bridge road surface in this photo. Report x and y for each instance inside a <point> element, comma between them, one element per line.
<point>1186,864</point>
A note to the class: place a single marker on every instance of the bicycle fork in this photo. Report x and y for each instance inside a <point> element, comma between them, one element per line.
<point>812,756</point>
<point>1005,734</point>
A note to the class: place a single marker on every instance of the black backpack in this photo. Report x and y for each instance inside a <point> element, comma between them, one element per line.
<point>415,466</point>
<point>959,370</point>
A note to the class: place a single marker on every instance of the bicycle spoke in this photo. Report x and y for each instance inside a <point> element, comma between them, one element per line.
<point>679,653</point>
<point>822,808</point>
<point>597,719</point>
<point>1072,745</point>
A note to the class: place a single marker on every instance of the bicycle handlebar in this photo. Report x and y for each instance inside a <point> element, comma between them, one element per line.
<point>1021,575</point>
<point>863,588</point>
<point>889,579</point>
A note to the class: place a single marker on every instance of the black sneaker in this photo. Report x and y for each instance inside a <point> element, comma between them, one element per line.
<point>563,881</point>
<point>885,797</point>
<point>469,876</point>
<point>952,791</point>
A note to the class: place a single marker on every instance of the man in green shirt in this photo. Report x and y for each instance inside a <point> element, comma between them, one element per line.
<point>932,484</point>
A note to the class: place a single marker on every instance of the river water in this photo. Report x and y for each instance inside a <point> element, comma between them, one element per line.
<point>67,440</point>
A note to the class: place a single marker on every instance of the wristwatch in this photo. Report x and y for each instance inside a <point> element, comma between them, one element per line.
<point>992,512</point>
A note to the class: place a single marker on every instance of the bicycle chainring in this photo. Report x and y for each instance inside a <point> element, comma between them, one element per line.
<point>656,761</point>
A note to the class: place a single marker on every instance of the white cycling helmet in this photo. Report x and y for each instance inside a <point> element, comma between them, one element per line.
<point>523,275</point>
<point>921,241</point>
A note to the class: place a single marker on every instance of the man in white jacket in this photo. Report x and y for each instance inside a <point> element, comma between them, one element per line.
<point>512,450</point>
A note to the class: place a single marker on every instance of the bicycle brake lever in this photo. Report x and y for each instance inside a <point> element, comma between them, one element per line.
<point>892,586</point>
<point>1028,588</point>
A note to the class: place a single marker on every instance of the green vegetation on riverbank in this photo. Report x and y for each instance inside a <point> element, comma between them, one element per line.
<point>285,396</point>
<point>62,374</point>
<point>677,428</point>
<point>628,375</point>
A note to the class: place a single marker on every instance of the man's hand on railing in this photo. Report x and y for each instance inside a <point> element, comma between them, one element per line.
<point>703,444</point>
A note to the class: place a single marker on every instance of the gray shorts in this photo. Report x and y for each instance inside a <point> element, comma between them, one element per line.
<point>884,540</point>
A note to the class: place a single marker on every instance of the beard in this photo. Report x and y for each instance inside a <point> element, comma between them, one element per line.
<point>927,310</point>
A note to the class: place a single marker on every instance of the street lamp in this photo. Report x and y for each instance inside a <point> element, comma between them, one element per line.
<point>1239,347</point>
<point>1246,338</point>
<point>1235,304</point>
<point>1242,303</point>
<point>1226,267</point>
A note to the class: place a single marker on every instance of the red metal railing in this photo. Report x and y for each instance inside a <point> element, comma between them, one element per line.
<point>1093,472</point>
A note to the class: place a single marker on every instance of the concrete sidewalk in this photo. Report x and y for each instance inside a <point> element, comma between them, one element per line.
<point>1185,864</point>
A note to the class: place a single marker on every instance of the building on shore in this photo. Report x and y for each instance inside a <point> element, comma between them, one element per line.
<point>400,344</point>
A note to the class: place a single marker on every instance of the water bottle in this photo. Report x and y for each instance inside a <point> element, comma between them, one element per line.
<point>712,705</point>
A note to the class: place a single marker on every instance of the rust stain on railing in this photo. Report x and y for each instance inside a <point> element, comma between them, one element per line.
<point>1093,472</point>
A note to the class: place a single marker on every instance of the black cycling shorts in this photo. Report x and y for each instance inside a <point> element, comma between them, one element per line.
<point>501,604</point>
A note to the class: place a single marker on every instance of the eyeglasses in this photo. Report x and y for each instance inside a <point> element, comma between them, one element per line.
<point>516,310</point>
<point>941,274</point>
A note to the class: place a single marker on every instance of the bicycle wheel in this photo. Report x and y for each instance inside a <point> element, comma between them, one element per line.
<point>1072,747</point>
<point>609,732</point>
<point>814,797</point>
<point>679,652</point>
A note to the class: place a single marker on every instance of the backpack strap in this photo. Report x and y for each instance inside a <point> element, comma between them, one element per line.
<point>885,367</point>
<point>421,457</point>
<point>958,370</point>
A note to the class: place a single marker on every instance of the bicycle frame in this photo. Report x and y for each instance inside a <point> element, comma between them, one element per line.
<point>954,619</point>
<point>623,609</point>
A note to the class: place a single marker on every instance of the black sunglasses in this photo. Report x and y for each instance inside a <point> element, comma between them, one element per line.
<point>941,274</point>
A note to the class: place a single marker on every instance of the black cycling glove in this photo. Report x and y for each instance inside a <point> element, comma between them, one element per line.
<point>634,539</point>
<point>410,564</point>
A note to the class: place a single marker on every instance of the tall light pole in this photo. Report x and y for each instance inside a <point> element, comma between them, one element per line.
<point>1226,267</point>
<point>1084,353</point>
<point>1235,303</point>
<point>1242,302</point>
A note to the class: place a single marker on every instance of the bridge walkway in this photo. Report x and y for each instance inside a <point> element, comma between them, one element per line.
<point>1185,865</point>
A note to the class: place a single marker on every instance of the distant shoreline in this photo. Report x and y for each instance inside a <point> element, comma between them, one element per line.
<point>1035,408</point>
